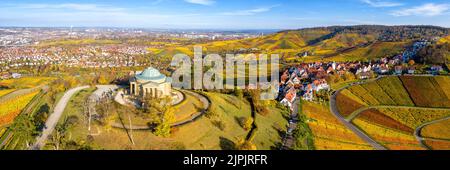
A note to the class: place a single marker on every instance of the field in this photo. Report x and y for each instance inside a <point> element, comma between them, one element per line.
<point>419,100</point>
<point>444,83</point>
<point>390,138</point>
<point>372,51</point>
<point>396,126</point>
<point>329,133</point>
<point>11,108</point>
<point>25,82</point>
<point>364,95</point>
<point>426,91</point>
<point>444,40</point>
<point>438,145</point>
<point>378,93</point>
<point>414,117</point>
<point>395,90</point>
<point>6,91</point>
<point>347,102</point>
<point>377,117</point>
<point>439,130</point>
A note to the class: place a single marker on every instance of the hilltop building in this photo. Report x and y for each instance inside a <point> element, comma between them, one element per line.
<point>150,82</point>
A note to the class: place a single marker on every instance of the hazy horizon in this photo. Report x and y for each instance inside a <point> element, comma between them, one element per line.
<point>221,14</point>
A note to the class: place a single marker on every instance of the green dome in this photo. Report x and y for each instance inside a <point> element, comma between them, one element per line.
<point>151,74</point>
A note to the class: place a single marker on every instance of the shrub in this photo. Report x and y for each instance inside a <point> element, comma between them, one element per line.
<point>246,122</point>
<point>219,124</point>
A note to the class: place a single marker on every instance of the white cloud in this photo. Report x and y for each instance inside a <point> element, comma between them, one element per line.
<point>249,11</point>
<point>379,3</point>
<point>429,9</point>
<point>201,2</point>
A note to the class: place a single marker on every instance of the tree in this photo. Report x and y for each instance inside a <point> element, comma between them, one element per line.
<point>245,145</point>
<point>246,122</point>
<point>238,93</point>
<point>411,62</point>
<point>348,76</point>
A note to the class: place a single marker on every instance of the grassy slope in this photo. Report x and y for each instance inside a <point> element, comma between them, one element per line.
<point>268,135</point>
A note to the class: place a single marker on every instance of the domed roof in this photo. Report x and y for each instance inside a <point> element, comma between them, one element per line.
<point>151,74</point>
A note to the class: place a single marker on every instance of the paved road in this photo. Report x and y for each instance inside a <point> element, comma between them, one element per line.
<point>288,139</point>
<point>349,125</point>
<point>419,136</point>
<point>55,116</point>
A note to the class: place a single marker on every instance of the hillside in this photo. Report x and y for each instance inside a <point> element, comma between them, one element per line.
<point>396,91</point>
<point>339,43</point>
<point>390,109</point>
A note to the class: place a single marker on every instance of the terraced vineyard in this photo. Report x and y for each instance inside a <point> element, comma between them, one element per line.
<point>390,109</point>
<point>25,82</point>
<point>396,126</point>
<point>11,108</point>
<point>426,91</point>
<point>418,91</point>
<point>6,91</point>
<point>328,132</point>
<point>440,130</point>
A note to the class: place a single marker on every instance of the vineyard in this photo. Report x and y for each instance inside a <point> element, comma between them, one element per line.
<point>25,82</point>
<point>377,117</point>
<point>6,91</point>
<point>414,117</point>
<point>329,133</point>
<point>439,130</point>
<point>390,138</point>
<point>396,91</point>
<point>423,99</point>
<point>444,83</point>
<point>438,145</point>
<point>426,91</point>
<point>347,102</point>
<point>394,127</point>
<point>11,108</point>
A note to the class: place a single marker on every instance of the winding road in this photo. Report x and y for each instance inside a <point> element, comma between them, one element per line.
<point>55,116</point>
<point>348,124</point>
<point>420,138</point>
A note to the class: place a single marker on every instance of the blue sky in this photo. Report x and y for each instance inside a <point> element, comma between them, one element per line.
<point>223,14</point>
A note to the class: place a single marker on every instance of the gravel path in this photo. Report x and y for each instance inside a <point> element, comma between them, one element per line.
<point>55,116</point>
